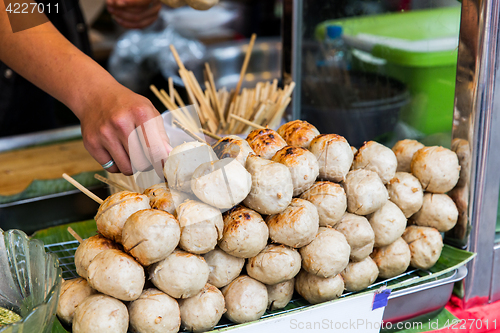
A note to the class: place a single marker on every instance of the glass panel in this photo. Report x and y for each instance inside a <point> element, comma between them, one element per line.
<point>380,70</point>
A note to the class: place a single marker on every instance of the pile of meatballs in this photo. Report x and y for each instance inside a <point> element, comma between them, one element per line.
<point>240,226</point>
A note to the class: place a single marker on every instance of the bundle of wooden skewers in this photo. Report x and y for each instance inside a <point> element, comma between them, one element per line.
<point>221,111</point>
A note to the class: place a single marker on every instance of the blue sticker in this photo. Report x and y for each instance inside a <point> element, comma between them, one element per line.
<point>380,298</point>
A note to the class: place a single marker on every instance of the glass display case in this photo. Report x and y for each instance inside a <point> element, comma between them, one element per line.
<point>425,70</point>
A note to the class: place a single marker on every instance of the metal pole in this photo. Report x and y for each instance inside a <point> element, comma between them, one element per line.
<point>477,128</point>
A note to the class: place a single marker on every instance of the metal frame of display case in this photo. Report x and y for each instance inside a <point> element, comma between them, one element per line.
<point>476,123</point>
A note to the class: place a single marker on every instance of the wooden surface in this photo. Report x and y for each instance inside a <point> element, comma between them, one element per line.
<point>19,168</point>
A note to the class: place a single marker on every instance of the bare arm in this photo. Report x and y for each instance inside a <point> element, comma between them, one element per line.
<point>107,111</point>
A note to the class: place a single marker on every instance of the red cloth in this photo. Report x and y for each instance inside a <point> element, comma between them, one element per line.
<point>478,319</point>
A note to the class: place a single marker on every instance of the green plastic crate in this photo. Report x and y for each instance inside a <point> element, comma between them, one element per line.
<point>429,72</point>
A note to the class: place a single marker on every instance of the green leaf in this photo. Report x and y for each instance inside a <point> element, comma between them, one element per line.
<point>60,233</point>
<point>57,327</point>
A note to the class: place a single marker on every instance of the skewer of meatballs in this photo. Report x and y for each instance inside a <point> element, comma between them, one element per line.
<point>239,227</point>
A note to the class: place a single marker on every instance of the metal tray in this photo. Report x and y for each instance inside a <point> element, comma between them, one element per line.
<point>421,299</point>
<point>30,215</point>
<point>403,304</point>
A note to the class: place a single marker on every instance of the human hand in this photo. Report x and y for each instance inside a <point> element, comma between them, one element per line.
<point>109,121</point>
<point>134,14</point>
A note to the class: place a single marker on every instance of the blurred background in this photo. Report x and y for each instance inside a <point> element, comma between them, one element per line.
<point>386,64</point>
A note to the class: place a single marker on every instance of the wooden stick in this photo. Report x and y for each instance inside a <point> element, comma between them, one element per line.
<point>171,104</point>
<point>177,58</point>
<point>242,111</point>
<point>210,134</point>
<point>111,183</point>
<point>189,91</point>
<point>260,114</point>
<point>245,65</point>
<point>176,112</point>
<point>159,95</point>
<point>203,101</point>
<point>74,234</point>
<point>279,114</point>
<point>171,90</point>
<point>179,99</point>
<point>214,92</point>
<point>244,121</point>
<point>229,120</point>
<point>234,107</point>
<point>188,132</point>
<point>225,104</point>
<point>164,98</point>
<point>184,110</point>
<point>83,189</point>
<point>190,87</point>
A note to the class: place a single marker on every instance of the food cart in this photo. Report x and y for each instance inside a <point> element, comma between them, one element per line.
<point>471,119</point>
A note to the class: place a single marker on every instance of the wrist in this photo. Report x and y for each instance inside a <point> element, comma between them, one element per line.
<point>92,91</point>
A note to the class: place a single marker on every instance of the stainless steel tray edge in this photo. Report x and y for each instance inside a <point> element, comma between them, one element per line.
<point>413,301</point>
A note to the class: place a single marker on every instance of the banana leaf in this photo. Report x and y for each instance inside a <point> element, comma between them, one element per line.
<point>39,188</point>
<point>59,240</point>
<point>60,233</point>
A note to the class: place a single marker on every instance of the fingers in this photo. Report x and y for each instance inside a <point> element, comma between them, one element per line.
<point>154,143</point>
<point>127,128</point>
<point>101,155</point>
<point>135,16</point>
<point>120,156</point>
<point>135,25</point>
<point>130,3</point>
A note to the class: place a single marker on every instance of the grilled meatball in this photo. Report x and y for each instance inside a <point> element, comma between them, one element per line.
<point>365,192</point>
<point>437,169</point>
<point>115,210</point>
<point>265,142</point>
<point>330,201</point>
<point>334,156</point>
<point>296,226</point>
<point>298,133</point>
<point>404,151</point>
<point>272,186</point>
<point>233,146</point>
<point>376,157</point>
<point>302,165</point>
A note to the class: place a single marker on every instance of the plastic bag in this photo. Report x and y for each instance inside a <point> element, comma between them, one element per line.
<point>139,54</point>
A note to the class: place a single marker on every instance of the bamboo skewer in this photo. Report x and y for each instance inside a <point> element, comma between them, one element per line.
<point>188,132</point>
<point>177,58</point>
<point>111,183</point>
<point>220,111</point>
<point>171,90</point>
<point>171,105</point>
<point>210,134</point>
<point>75,235</point>
<point>214,92</point>
<point>184,109</point>
<point>83,189</point>
<point>245,64</point>
<point>244,121</point>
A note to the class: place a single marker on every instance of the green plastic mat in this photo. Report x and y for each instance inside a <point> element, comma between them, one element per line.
<point>40,188</point>
<point>58,240</point>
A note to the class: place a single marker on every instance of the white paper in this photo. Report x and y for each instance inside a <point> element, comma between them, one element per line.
<point>353,314</point>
